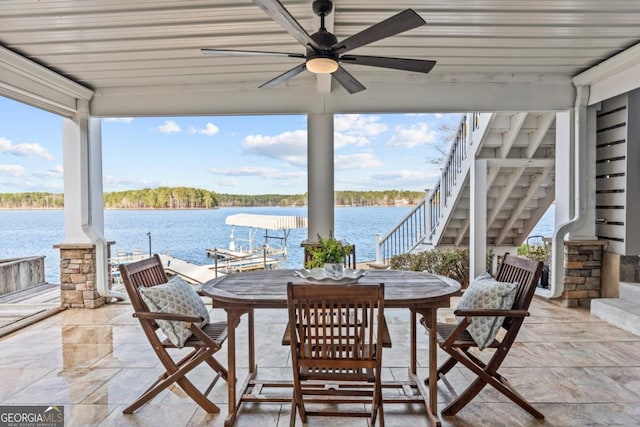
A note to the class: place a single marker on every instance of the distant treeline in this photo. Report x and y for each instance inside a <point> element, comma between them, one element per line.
<point>31,200</point>
<point>162,198</point>
<point>378,198</point>
<point>241,200</point>
<point>342,198</point>
<point>196,198</point>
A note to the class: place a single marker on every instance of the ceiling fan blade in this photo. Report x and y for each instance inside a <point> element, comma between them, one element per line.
<point>281,15</point>
<point>347,81</point>
<point>285,76</point>
<point>403,21</point>
<point>231,52</point>
<point>405,64</point>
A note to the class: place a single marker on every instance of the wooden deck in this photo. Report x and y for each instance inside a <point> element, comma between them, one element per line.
<point>27,306</point>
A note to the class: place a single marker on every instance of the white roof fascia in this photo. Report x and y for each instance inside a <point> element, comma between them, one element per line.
<point>33,84</point>
<point>535,93</point>
<point>617,75</point>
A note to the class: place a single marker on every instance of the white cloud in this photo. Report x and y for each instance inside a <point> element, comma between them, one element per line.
<point>256,172</point>
<point>343,139</point>
<point>354,129</point>
<point>359,124</point>
<point>169,126</point>
<point>229,182</point>
<point>112,183</point>
<point>288,146</point>
<point>356,161</point>
<point>412,136</point>
<point>245,171</point>
<point>118,119</point>
<point>24,150</point>
<point>406,178</point>
<point>13,170</point>
<point>413,180</point>
<point>55,172</point>
<point>285,176</point>
<point>210,129</point>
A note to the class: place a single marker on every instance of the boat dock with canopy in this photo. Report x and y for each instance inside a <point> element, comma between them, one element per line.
<point>280,223</point>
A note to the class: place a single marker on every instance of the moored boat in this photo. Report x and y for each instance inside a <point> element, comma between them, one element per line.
<point>241,248</point>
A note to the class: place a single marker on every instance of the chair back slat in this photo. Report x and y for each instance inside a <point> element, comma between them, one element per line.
<point>145,273</point>
<point>332,327</point>
<point>526,273</point>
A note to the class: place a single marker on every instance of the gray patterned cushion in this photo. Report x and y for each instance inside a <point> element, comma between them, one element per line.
<point>486,293</point>
<point>175,296</point>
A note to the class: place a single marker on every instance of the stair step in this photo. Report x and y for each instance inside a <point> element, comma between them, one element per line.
<point>624,314</point>
<point>630,291</point>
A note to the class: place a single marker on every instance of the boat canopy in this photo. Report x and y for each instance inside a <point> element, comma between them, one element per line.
<point>268,222</point>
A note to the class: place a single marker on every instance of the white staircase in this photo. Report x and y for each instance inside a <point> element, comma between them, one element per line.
<point>520,152</point>
<point>624,311</point>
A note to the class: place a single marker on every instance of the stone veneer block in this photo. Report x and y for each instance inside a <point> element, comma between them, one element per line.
<point>77,276</point>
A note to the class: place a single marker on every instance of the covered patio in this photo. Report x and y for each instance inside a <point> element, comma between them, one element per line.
<point>88,60</point>
<point>576,369</point>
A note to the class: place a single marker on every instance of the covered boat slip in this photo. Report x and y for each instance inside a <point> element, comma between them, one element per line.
<point>254,223</point>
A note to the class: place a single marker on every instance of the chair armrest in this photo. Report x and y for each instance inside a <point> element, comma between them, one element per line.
<point>153,315</point>
<point>491,312</point>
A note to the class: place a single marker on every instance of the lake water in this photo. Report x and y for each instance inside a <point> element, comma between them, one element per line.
<point>186,234</point>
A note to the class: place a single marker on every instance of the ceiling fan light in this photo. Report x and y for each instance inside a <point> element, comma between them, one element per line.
<point>322,65</point>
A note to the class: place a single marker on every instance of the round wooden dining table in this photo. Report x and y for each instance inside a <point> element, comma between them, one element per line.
<point>242,293</point>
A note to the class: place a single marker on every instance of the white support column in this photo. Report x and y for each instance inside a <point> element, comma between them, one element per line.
<point>83,196</point>
<point>478,215</point>
<point>75,153</point>
<point>320,181</point>
<point>565,175</point>
<point>587,126</point>
<point>83,211</point>
<point>583,175</point>
<point>96,197</point>
<point>95,225</point>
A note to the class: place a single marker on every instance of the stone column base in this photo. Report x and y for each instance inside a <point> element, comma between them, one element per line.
<point>78,276</point>
<point>582,272</point>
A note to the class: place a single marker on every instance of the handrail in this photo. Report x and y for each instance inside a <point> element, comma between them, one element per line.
<point>404,236</point>
<point>453,167</point>
<point>420,224</point>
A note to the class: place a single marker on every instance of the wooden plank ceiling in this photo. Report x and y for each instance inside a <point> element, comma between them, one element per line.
<point>153,46</point>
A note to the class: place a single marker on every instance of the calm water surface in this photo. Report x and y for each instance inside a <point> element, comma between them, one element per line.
<point>187,234</point>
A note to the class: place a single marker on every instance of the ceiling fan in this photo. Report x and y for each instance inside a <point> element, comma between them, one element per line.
<point>325,53</point>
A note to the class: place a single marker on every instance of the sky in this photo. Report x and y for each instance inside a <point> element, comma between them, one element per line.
<point>227,154</point>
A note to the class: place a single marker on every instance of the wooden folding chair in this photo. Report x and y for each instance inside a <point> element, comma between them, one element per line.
<point>457,342</point>
<point>335,355</point>
<point>204,342</point>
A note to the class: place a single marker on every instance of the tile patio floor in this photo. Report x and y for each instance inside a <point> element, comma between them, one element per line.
<point>576,369</point>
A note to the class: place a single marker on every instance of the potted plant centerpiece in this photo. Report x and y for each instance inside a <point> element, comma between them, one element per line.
<point>328,251</point>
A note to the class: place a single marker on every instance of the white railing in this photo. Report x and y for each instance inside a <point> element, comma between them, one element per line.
<point>421,223</point>
<point>405,236</point>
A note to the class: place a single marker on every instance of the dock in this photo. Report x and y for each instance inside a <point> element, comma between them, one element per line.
<point>27,306</point>
<point>192,273</point>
